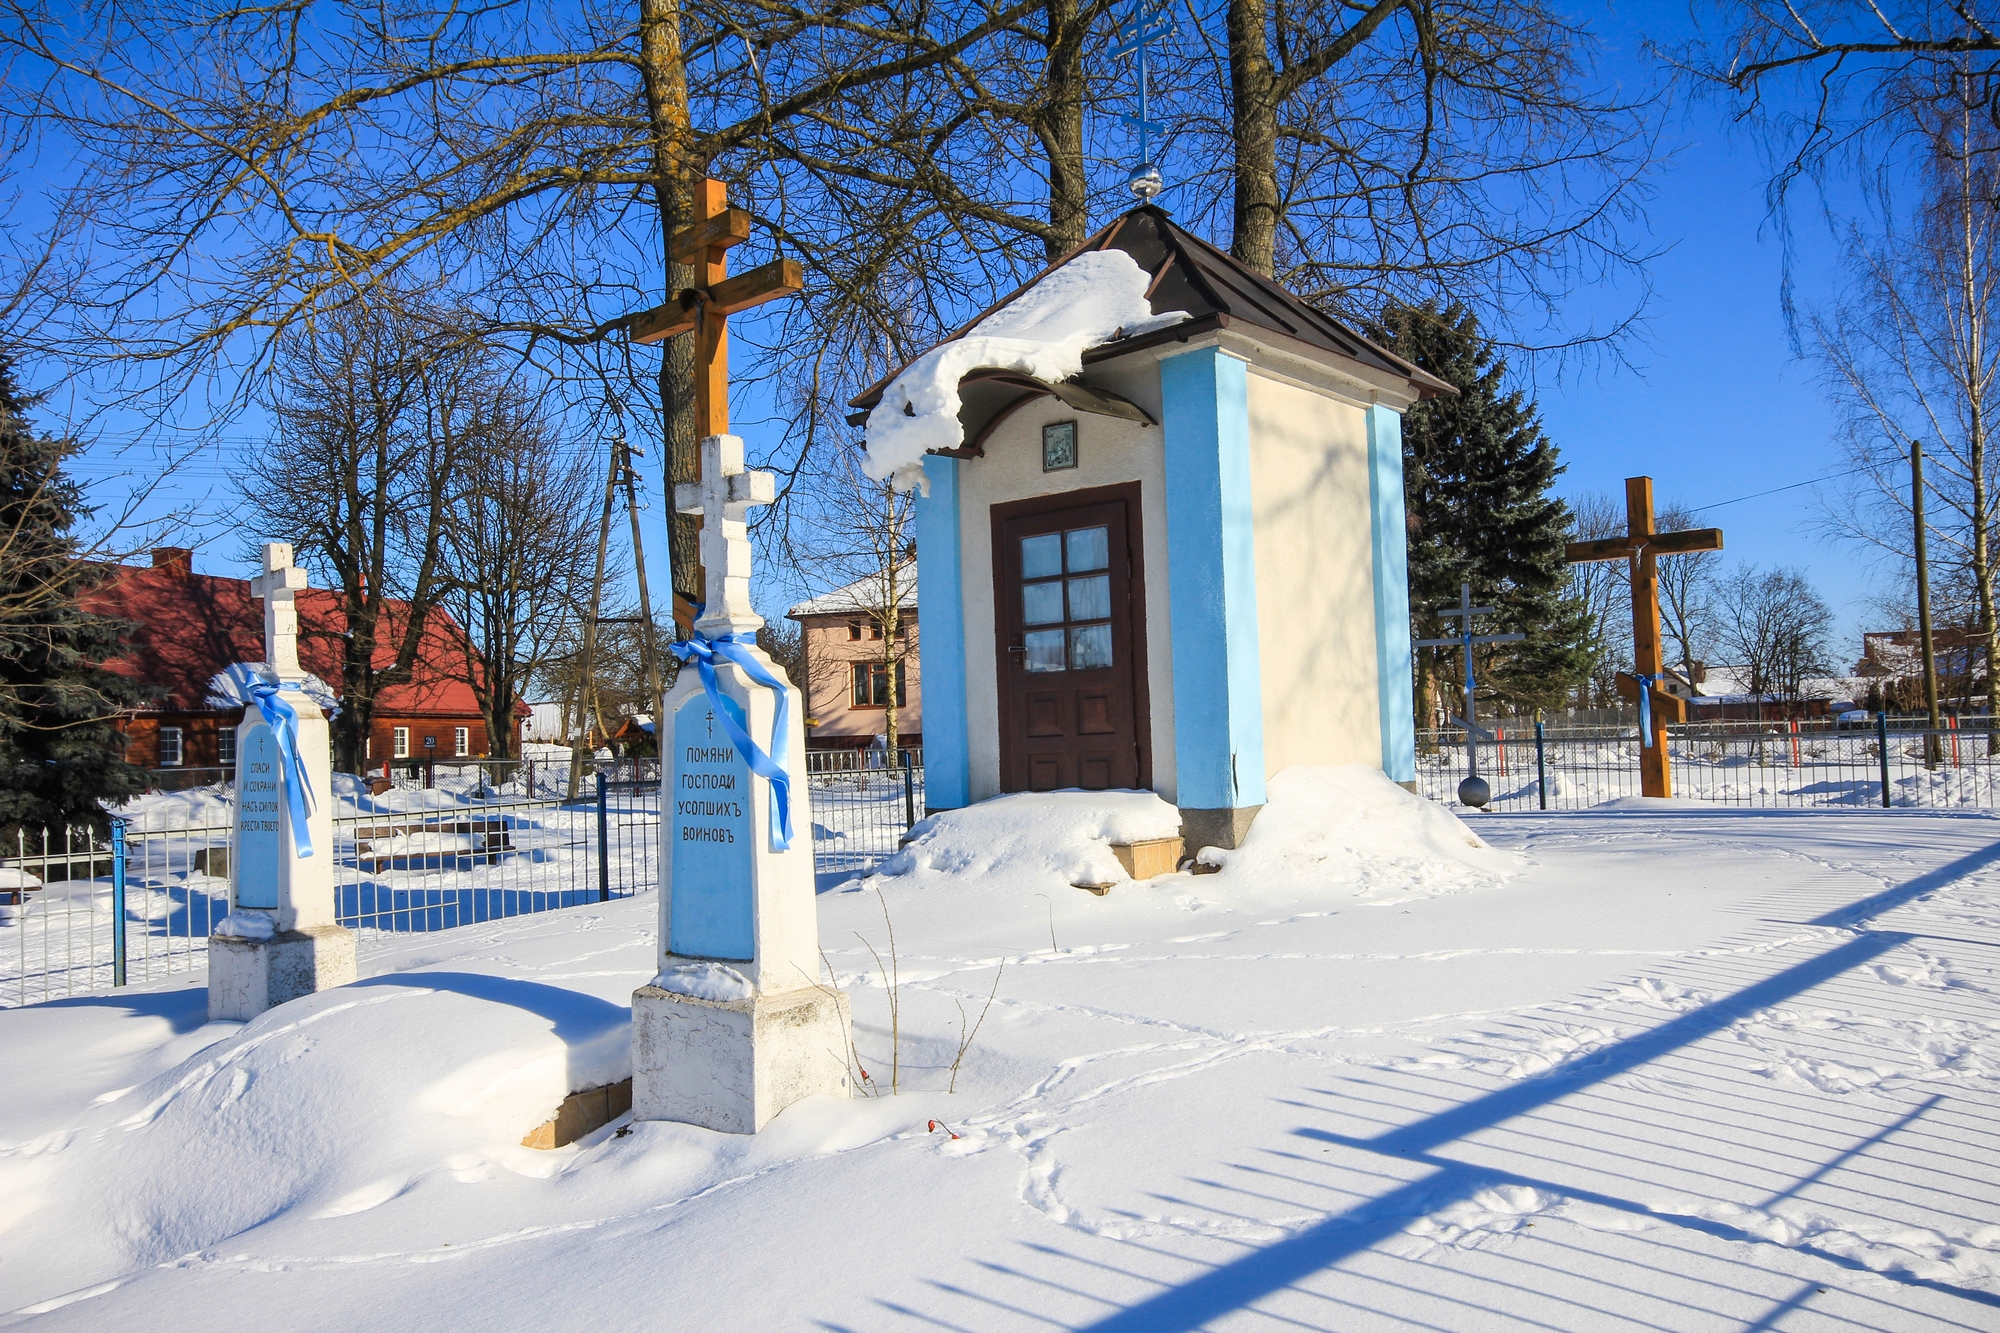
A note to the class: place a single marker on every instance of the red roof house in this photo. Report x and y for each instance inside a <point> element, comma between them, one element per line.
<point>193,626</point>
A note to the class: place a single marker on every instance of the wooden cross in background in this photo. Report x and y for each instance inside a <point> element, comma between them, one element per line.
<point>704,310</point>
<point>1642,545</point>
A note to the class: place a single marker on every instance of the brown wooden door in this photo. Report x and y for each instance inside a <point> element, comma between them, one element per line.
<point>1070,616</point>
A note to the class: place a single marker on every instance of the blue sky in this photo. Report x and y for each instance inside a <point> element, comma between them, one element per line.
<point>1713,406</point>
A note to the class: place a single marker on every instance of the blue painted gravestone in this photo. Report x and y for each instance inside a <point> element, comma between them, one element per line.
<point>712,916</point>
<point>738,1024</point>
<point>280,939</point>
<point>260,852</point>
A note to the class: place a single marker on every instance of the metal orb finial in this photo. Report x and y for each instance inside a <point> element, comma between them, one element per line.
<point>1145,182</point>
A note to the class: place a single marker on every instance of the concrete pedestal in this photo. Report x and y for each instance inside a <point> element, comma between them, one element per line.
<point>246,977</point>
<point>731,1065</point>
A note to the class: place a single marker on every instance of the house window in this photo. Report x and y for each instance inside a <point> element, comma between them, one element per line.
<point>170,747</point>
<point>874,629</point>
<point>402,738</point>
<point>461,740</point>
<point>853,629</point>
<point>871,685</point>
<point>1058,446</point>
<point>225,747</point>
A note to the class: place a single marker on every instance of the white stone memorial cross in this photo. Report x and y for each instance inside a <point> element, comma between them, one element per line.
<point>723,498</point>
<point>736,1026</point>
<point>281,939</point>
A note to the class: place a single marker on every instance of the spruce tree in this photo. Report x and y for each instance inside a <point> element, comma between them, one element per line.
<point>1477,469</point>
<point>61,758</point>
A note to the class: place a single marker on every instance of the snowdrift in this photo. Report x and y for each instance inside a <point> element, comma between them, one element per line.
<point>1346,830</point>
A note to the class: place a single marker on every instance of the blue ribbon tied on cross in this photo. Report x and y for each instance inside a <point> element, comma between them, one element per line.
<point>774,767</point>
<point>1646,684</point>
<point>283,719</point>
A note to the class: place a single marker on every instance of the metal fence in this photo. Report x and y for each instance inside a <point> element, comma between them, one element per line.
<point>1812,763</point>
<point>81,911</point>
<point>863,802</point>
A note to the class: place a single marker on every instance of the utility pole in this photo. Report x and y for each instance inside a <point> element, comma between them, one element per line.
<point>649,648</point>
<point>1933,743</point>
<point>587,673</point>
<point>1473,791</point>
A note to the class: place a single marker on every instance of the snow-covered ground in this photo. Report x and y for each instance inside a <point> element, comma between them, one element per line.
<point>1665,1068</point>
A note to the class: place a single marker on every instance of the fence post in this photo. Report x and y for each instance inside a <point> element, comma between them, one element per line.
<point>1882,744</point>
<point>909,793</point>
<point>117,902</point>
<point>603,845</point>
<point>1542,762</point>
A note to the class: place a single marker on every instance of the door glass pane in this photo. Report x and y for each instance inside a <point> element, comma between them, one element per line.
<point>1041,556</point>
<point>1042,604</point>
<point>1045,650</point>
<point>1090,646</point>
<point>1089,599</point>
<point>1089,548</point>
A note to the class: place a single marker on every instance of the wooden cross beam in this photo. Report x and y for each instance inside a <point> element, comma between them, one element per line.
<point>1642,545</point>
<point>704,310</point>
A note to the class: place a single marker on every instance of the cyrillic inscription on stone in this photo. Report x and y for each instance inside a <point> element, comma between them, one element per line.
<point>712,908</point>
<point>260,850</point>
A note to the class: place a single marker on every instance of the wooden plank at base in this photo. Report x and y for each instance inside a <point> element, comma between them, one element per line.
<point>768,282</point>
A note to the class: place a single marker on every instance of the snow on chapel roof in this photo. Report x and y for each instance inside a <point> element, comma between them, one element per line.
<point>1140,281</point>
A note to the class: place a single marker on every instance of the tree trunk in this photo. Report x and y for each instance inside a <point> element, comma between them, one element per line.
<point>1254,128</point>
<point>1061,131</point>
<point>663,72</point>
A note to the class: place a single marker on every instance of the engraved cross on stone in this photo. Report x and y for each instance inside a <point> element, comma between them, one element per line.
<point>278,586</point>
<point>723,498</point>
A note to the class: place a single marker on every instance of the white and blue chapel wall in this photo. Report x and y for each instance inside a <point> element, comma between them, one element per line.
<point>1309,467</point>
<point>1109,452</point>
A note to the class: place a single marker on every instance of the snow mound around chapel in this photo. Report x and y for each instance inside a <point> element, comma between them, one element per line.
<point>1353,825</point>
<point>1347,826</point>
<point>1063,837</point>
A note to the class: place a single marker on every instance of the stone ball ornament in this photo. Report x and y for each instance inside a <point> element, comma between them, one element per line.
<point>1474,792</point>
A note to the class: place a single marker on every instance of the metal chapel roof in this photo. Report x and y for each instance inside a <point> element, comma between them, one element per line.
<point>1217,291</point>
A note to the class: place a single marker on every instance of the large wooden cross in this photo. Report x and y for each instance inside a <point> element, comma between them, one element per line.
<point>704,310</point>
<point>1642,545</point>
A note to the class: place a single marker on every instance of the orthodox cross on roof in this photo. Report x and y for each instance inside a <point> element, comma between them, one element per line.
<point>1664,695</point>
<point>704,310</point>
<point>278,585</point>
<point>1147,22</point>
<point>1467,640</point>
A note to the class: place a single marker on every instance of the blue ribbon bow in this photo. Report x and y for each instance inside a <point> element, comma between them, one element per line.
<point>299,798</point>
<point>1646,684</point>
<point>773,767</point>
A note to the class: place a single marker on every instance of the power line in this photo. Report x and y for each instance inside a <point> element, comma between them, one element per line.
<point>1831,476</point>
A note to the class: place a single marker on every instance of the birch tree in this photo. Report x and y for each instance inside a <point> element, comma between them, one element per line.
<point>1912,352</point>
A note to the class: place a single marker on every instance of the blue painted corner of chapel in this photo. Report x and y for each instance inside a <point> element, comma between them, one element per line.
<point>1392,593</point>
<point>941,632</point>
<point>1212,581</point>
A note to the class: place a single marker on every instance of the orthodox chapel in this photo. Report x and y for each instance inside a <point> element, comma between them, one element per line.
<point>1160,530</point>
